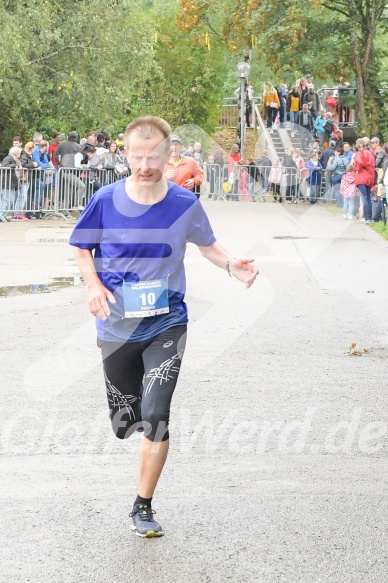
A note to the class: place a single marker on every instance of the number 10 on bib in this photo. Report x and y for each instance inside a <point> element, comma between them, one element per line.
<point>143,299</point>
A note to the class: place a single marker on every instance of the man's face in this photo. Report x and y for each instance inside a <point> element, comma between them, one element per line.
<point>346,148</point>
<point>147,158</point>
<point>57,139</point>
<point>197,147</point>
<point>176,148</point>
<point>305,108</point>
<point>16,144</point>
<point>373,145</point>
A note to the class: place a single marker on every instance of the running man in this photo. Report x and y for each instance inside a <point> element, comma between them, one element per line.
<point>130,245</point>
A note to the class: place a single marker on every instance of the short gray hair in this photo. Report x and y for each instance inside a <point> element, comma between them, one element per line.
<point>14,151</point>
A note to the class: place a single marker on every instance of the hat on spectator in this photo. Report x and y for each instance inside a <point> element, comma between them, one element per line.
<point>375,140</point>
<point>309,76</point>
<point>73,136</point>
<point>175,138</point>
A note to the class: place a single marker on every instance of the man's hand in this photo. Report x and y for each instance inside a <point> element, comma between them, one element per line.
<point>244,270</point>
<point>170,174</point>
<point>98,301</point>
<point>189,183</point>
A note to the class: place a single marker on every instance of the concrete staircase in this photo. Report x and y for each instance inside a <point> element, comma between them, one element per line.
<point>281,139</point>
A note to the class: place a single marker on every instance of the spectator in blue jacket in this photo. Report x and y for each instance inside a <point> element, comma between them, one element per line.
<point>314,180</point>
<point>40,154</point>
<point>318,126</point>
<point>338,168</point>
<point>348,152</point>
<point>38,185</point>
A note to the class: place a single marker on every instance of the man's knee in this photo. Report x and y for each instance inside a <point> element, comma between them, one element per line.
<point>156,427</point>
<point>124,422</point>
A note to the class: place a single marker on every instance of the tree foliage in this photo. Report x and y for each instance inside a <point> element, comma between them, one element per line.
<point>95,64</point>
<point>329,38</point>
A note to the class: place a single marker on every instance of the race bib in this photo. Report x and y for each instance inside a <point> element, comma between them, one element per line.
<point>143,299</point>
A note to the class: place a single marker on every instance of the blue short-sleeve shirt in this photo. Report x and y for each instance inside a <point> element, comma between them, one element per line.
<point>134,242</point>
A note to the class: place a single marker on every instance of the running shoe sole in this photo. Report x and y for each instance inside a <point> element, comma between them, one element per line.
<point>148,534</point>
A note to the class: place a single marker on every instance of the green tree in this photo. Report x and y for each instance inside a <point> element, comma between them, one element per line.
<point>332,39</point>
<point>94,64</point>
<point>75,65</point>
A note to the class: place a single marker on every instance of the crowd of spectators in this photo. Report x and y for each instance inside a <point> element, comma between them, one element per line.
<point>338,172</point>
<point>304,108</point>
<point>354,178</point>
<point>28,185</point>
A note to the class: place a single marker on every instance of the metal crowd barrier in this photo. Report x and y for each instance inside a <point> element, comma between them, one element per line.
<point>229,112</point>
<point>26,193</point>
<point>76,186</point>
<point>47,193</point>
<point>254,182</point>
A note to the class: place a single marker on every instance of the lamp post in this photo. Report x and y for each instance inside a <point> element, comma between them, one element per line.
<point>243,69</point>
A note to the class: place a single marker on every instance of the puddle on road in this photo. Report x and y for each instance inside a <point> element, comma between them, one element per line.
<point>56,283</point>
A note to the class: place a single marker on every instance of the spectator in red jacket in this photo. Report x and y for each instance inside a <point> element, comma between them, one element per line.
<point>234,156</point>
<point>364,169</point>
<point>183,170</point>
<point>53,147</point>
<point>234,160</point>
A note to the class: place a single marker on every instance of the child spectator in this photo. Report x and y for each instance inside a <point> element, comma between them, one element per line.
<point>244,176</point>
<point>349,191</point>
<point>212,177</point>
<point>275,177</point>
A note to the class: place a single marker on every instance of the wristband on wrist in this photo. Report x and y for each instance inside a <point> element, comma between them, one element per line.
<point>228,262</point>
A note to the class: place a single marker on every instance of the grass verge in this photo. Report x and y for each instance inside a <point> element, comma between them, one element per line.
<point>379,227</point>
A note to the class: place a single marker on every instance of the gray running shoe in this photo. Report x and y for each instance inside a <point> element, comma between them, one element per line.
<point>143,523</point>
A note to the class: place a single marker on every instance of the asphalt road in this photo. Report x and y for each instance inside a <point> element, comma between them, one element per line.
<point>278,462</point>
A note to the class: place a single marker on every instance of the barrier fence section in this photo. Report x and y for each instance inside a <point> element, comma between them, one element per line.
<point>229,112</point>
<point>236,182</point>
<point>76,187</point>
<point>47,193</point>
<point>26,192</point>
